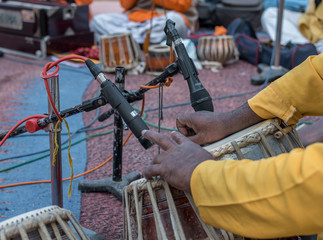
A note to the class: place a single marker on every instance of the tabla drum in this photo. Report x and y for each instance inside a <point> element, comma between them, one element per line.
<point>158,58</point>
<point>262,140</point>
<point>50,222</point>
<point>155,210</point>
<point>220,49</point>
<point>118,50</point>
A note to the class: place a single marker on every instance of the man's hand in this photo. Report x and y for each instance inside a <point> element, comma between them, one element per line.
<point>207,127</point>
<point>178,160</point>
<point>201,127</point>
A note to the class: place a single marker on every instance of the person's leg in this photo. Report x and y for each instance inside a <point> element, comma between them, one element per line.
<point>112,23</point>
<point>290,31</point>
<point>108,23</point>
<point>139,30</point>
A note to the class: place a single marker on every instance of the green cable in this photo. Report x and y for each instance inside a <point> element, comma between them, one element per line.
<point>308,123</point>
<point>164,128</point>
<point>48,154</point>
<point>82,139</point>
<point>152,124</point>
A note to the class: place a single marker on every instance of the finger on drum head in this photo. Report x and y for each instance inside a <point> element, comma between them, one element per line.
<point>151,171</point>
<point>162,140</point>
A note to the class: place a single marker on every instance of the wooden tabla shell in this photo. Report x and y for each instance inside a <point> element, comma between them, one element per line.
<point>217,49</point>
<point>50,222</point>
<point>158,58</point>
<point>155,210</point>
<point>118,50</point>
<point>262,140</point>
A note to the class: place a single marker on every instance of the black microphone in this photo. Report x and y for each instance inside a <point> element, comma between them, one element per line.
<point>119,103</point>
<point>200,98</point>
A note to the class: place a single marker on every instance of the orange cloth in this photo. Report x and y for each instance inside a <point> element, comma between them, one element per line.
<point>141,15</point>
<point>176,5</point>
<point>128,4</point>
<point>83,2</point>
<point>220,30</point>
<point>138,14</point>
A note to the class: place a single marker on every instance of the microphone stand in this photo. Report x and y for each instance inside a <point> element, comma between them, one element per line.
<point>274,71</point>
<point>199,97</point>
<point>96,102</point>
<point>117,182</point>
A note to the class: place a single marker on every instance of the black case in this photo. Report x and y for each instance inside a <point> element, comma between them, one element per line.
<point>222,13</point>
<point>40,19</point>
<point>40,48</point>
<point>34,29</point>
<point>228,10</point>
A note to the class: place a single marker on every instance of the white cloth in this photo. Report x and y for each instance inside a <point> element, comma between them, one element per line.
<point>113,23</point>
<point>191,51</point>
<point>290,31</point>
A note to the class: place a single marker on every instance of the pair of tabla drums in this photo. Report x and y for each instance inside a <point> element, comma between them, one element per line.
<point>122,50</point>
<point>154,210</point>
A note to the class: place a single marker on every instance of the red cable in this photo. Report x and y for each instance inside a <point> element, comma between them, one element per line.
<point>45,76</point>
<point>17,125</point>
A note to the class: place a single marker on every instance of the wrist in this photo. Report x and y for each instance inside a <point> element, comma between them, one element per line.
<point>240,118</point>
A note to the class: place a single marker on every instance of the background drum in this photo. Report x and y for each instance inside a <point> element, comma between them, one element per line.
<point>217,49</point>
<point>50,222</point>
<point>158,58</point>
<point>154,210</point>
<point>118,50</point>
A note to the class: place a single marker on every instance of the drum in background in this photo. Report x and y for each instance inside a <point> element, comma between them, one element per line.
<point>158,58</point>
<point>118,50</point>
<point>50,222</point>
<point>155,210</point>
<point>263,140</point>
<point>217,49</point>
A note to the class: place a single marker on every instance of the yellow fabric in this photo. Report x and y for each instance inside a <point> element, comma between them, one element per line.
<point>276,197</point>
<point>295,95</point>
<point>311,25</point>
<point>70,161</point>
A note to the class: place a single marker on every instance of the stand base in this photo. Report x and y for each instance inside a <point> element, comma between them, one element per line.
<point>272,73</point>
<point>108,185</point>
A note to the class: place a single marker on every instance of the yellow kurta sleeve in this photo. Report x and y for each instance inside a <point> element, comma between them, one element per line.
<point>297,94</point>
<point>275,197</point>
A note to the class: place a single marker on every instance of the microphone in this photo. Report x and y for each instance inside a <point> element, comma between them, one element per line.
<point>119,103</point>
<point>200,98</point>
